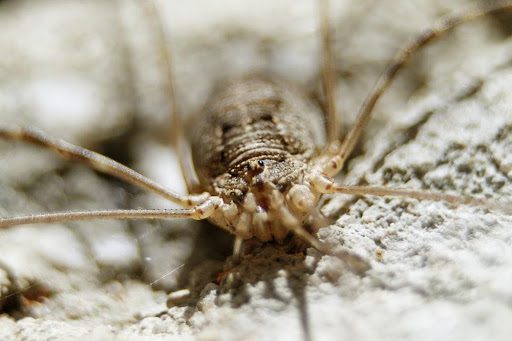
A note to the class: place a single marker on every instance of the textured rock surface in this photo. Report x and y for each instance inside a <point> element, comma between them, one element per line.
<point>87,72</point>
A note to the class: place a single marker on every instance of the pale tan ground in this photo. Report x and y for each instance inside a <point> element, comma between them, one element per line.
<point>86,71</point>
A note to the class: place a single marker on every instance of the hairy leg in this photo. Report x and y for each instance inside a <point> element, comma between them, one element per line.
<point>324,184</point>
<point>333,160</point>
<point>198,212</point>
<point>98,162</point>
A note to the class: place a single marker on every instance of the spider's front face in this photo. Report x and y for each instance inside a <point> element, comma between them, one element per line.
<point>257,174</point>
<point>266,212</point>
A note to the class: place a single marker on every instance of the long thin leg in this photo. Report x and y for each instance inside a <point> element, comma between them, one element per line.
<point>199,212</point>
<point>328,80</point>
<point>176,128</point>
<point>61,217</point>
<point>327,185</point>
<point>98,162</point>
<point>445,24</point>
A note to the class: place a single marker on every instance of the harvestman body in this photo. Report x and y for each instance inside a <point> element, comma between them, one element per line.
<point>260,154</point>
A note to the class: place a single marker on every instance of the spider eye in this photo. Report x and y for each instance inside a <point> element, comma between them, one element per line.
<point>266,117</point>
<point>226,127</point>
<point>261,163</point>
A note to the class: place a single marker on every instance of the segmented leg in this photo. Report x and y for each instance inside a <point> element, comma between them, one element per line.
<point>178,141</point>
<point>329,83</point>
<point>335,162</point>
<point>199,212</point>
<point>326,185</point>
<point>98,162</point>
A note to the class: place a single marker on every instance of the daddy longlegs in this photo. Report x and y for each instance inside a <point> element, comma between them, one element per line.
<point>271,188</point>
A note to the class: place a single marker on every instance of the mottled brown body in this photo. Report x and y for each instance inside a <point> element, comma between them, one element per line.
<point>254,130</point>
<point>251,143</point>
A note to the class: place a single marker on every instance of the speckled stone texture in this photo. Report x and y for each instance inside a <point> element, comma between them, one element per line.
<point>88,72</point>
